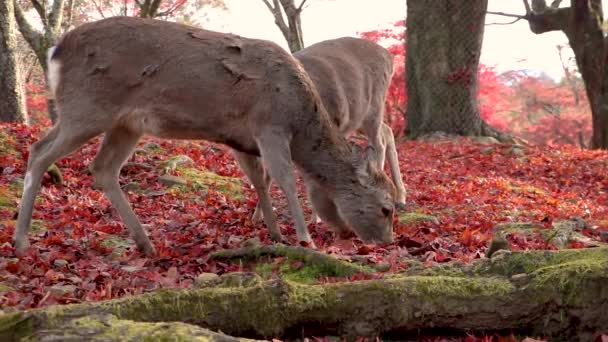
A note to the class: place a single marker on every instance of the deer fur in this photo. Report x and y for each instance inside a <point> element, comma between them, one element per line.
<point>352,76</point>
<point>127,77</point>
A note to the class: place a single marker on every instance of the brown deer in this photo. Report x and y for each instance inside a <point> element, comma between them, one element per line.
<point>352,76</point>
<point>127,77</point>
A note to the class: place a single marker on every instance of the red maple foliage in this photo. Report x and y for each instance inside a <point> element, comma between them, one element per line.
<point>532,107</point>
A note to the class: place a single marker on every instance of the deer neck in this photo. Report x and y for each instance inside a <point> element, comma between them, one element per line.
<point>323,155</point>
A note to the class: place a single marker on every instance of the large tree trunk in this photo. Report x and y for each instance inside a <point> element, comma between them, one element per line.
<point>582,23</point>
<point>561,295</point>
<point>444,40</point>
<point>12,99</point>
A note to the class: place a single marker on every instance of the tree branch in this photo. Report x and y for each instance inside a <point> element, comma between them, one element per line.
<point>40,10</point>
<point>55,18</point>
<point>299,9</point>
<point>171,10</point>
<point>270,8</point>
<point>31,35</point>
<point>527,7</point>
<point>518,16</point>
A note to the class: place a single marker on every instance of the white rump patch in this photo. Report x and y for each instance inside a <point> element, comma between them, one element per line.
<point>53,71</point>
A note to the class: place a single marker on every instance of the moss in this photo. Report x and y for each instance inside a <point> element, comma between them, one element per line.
<point>15,325</point>
<point>118,244</point>
<point>172,163</point>
<point>109,328</point>
<point>315,264</point>
<point>203,180</point>
<point>4,288</point>
<point>414,217</point>
<point>7,144</point>
<point>7,197</point>
<point>306,274</point>
<point>36,226</point>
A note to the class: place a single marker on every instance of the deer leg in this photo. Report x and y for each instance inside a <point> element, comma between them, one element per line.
<point>58,142</point>
<point>393,162</point>
<point>117,146</point>
<point>254,170</point>
<point>258,213</point>
<point>276,155</point>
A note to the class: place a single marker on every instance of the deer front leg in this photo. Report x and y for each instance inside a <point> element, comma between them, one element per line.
<point>59,141</point>
<point>276,154</point>
<point>117,146</point>
<point>254,170</point>
<point>393,163</point>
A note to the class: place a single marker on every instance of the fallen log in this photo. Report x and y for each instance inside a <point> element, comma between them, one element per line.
<point>557,294</point>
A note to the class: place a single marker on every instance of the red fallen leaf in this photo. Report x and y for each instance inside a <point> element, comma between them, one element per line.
<point>54,276</point>
<point>278,260</point>
<point>12,267</point>
<point>345,245</point>
<point>172,273</point>
<point>304,244</point>
<point>408,242</point>
<point>601,338</point>
<point>296,265</point>
<point>364,249</point>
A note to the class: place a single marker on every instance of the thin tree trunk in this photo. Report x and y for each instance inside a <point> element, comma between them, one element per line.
<point>444,45</point>
<point>12,99</point>
<point>40,42</point>
<point>582,23</point>
<point>292,29</point>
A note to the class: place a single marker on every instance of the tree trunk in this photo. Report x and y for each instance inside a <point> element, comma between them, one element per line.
<point>444,40</point>
<point>582,23</point>
<point>40,42</point>
<point>557,294</point>
<point>12,99</point>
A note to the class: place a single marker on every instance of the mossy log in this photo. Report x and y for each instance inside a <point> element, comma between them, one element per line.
<point>557,294</point>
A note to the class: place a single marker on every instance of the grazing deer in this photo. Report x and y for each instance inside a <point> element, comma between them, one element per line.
<point>127,77</point>
<point>352,77</point>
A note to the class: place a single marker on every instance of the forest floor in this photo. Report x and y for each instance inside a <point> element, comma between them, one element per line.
<point>459,191</point>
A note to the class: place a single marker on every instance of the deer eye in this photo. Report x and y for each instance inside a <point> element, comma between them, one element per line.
<point>386,211</point>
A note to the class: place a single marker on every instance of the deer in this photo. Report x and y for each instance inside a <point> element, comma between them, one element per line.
<point>352,76</point>
<point>127,77</point>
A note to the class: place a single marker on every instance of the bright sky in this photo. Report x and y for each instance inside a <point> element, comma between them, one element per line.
<point>507,47</point>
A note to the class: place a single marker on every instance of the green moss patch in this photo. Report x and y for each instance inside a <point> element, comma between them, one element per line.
<point>199,180</point>
<point>414,217</point>
<point>7,144</point>
<point>118,244</point>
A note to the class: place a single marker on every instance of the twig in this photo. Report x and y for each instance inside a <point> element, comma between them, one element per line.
<point>519,16</point>
<point>508,23</point>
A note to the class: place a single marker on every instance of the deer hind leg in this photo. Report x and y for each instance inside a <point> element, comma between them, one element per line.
<point>393,162</point>
<point>58,142</point>
<point>117,146</point>
<point>254,170</point>
<point>276,154</point>
<point>258,213</point>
